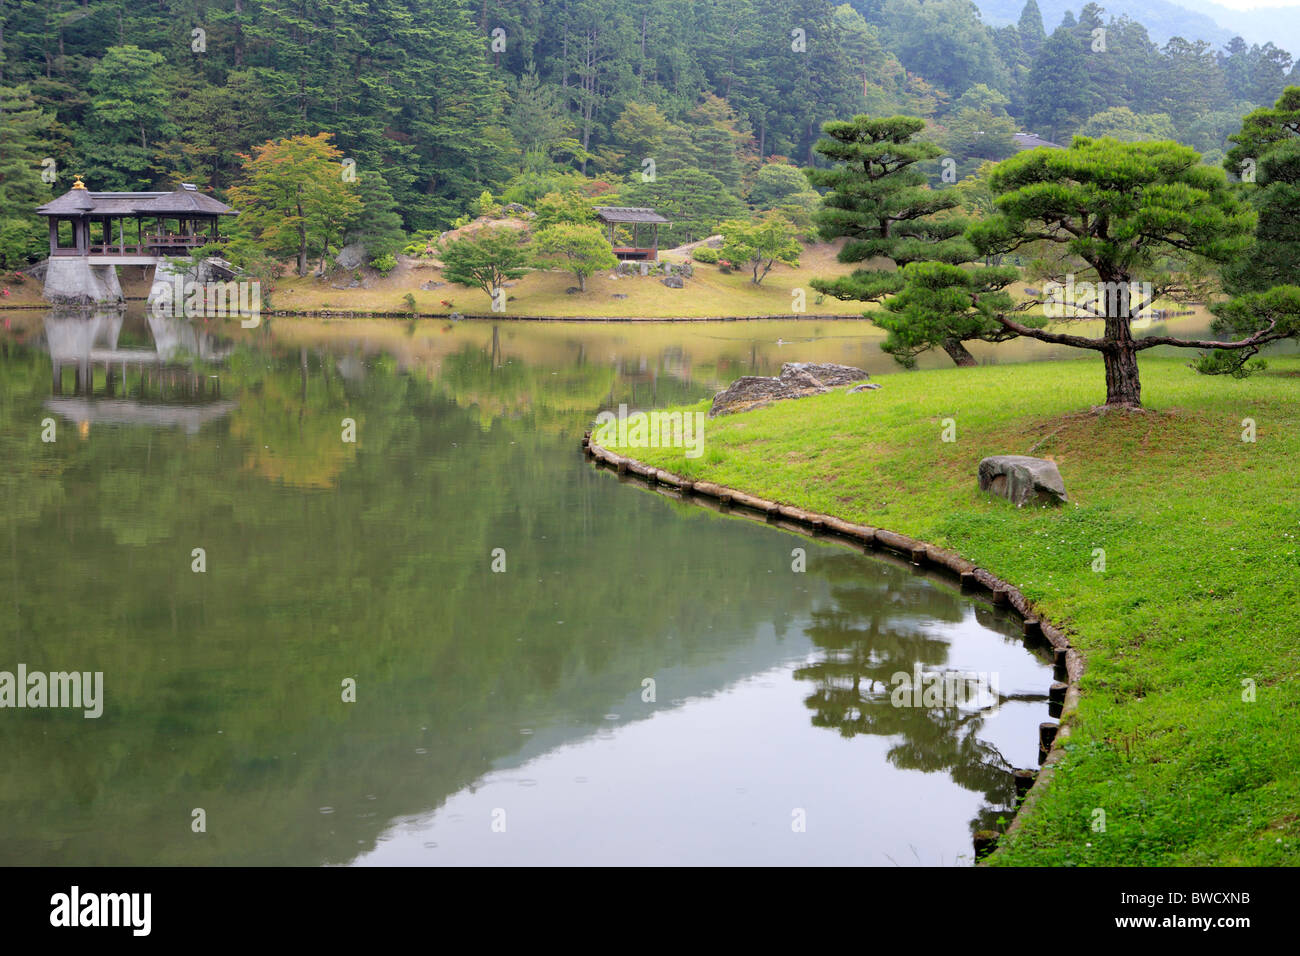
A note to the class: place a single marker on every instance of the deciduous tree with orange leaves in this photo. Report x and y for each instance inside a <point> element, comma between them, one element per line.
<point>297,194</point>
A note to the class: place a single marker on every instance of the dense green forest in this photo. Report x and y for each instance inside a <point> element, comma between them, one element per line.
<point>678,103</point>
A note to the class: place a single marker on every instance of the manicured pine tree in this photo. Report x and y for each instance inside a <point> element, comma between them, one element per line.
<point>1267,150</point>
<point>879,199</point>
<point>942,304</point>
<point>1125,212</point>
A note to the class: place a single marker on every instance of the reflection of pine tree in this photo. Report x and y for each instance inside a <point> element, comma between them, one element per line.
<point>873,632</point>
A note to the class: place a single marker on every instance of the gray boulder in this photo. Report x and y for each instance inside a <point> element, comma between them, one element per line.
<point>351,256</point>
<point>797,380</point>
<point>826,373</point>
<point>674,282</point>
<point>1022,480</point>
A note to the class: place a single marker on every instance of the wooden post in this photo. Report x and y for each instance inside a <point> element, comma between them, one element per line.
<point>986,841</point>
<point>1024,779</point>
<point>1046,735</point>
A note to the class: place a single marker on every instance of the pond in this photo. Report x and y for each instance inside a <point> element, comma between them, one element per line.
<point>548,666</point>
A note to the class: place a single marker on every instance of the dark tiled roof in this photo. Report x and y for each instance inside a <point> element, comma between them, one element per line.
<point>186,201</point>
<point>1030,141</point>
<point>628,214</point>
<point>83,202</point>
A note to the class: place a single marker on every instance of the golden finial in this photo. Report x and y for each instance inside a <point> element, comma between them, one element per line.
<point>78,184</point>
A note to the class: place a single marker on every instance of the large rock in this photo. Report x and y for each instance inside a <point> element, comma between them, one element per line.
<point>673,282</point>
<point>351,256</point>
<point>797,380</point>
<point>826,373</point>
<point>1022,480</point>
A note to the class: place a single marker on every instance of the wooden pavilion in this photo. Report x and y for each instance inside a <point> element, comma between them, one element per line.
<point>635,216</point>
<point>165,224</point>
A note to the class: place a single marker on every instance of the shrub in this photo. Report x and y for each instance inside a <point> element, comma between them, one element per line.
<point>422,244</point>
<point>384,264</point>
<point>705,254</point>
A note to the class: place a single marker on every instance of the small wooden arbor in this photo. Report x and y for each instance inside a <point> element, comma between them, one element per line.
<point>166,224</point>
<point>635,216</point>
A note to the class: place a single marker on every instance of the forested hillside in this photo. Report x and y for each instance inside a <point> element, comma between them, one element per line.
<point>436,100</point>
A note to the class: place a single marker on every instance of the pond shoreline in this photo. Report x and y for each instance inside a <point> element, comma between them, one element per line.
<point>972,579</point>
<point>490,316</point>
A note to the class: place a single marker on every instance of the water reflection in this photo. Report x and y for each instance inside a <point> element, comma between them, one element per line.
<point>476,690</point>
<point>166,386</point>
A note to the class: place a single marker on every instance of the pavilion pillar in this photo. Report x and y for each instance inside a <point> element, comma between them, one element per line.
<point>54,234</point>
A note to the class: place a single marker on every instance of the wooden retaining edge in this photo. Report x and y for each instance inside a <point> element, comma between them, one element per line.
<point>1069,663</point>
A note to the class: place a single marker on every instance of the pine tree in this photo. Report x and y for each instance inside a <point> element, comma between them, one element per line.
<point>129,117</point>
<point>25,143</point>
<point>1030,29</point>
<point>879,200</point>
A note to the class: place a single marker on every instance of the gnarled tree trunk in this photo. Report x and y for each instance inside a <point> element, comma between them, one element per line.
<point>1123,388</point>
<point>958,353</point>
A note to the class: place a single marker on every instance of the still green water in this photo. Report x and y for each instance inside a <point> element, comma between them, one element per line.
<point>499,717</point>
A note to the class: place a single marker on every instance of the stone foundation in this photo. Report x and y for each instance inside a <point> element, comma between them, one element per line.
<point>73,280</point>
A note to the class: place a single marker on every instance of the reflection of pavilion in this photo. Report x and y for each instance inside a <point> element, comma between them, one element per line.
<point>140,386</point>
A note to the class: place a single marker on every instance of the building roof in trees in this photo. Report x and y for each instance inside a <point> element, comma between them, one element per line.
<point>1030,141</point>
<point>185,201</point>
<point>628,214</point>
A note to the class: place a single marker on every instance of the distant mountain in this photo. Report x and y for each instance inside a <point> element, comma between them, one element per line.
<point>1190,19</point>
<point>1277,25</point>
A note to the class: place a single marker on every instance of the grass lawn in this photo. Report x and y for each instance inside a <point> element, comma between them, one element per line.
<point>1200,593</point>
<point>707,293</point>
